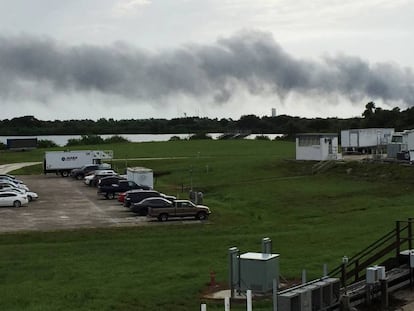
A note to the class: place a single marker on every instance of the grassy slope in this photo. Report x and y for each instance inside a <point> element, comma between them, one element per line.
<point>254,189</point>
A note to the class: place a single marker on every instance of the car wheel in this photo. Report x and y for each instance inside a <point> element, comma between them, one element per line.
<point>201,216</point>
<point>111,196</point>
<point>79,177</point>
<point>17,203</point>
<point>163,217</point>
<point>29,197</point>
<point>64,173</point>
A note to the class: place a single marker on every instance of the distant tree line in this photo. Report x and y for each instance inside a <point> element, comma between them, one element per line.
<point>372,116</point>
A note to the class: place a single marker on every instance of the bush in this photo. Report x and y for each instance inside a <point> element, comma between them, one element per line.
<point>85,140</point>
<point>45,143</point>
<point>262,137</point>
<point>115,139</point>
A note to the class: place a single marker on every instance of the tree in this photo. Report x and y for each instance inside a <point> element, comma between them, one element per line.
<point>369,110</point>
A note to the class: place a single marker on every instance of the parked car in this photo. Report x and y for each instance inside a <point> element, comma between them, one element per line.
<point>91,178</point>
<point>121,197</point>
<point>8,183</point>
<point>15,180</point>
<point>179,208</point>
<point>97,176</point>
<point>80,173</point>
<point>32,196</point>
<point>141,208</point>
<point>137,195</point>
<point>109,180</point>
<point>110,191</point>
<point>13,198</point>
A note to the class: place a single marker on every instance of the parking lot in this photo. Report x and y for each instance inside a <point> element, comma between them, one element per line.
<point>65,203</point>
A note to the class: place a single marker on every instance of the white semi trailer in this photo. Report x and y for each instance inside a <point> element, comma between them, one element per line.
<point>62,162</point>
<point>365,140</point>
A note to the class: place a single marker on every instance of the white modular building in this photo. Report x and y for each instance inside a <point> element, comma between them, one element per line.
<point>317,147</point>
<point>141,176</point>
<point>365,140</point>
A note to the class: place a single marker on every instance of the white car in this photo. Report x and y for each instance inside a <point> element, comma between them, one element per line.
<point>32,196</point>
<point>10,183</point>
<point>13,198</point>
<point>90,177</point>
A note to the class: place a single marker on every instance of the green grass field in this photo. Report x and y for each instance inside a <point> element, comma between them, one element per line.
<point>254,188</point>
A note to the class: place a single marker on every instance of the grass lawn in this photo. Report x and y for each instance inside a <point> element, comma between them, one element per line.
<point>254,188</point>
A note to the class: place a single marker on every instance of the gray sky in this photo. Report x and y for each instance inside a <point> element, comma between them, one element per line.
<point>213,58</point>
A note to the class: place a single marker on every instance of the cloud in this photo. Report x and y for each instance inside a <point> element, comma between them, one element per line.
<point>36,69</point>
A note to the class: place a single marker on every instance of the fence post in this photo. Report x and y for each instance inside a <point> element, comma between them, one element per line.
<point>410,233</point>
<point>226,303</point>
<point>397,233</point>
<point>356,270</point>
<point>249,299</point>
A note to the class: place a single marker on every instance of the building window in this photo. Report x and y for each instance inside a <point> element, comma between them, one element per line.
<point>305,141</point>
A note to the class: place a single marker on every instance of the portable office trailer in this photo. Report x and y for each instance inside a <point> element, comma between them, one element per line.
<point>141,176</point>
<point>365,140</point>
<point>317,146</point>
<point>62,162</point>
<point>398,147</point>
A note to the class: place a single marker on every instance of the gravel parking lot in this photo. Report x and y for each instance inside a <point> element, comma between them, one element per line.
<point>65,203</point>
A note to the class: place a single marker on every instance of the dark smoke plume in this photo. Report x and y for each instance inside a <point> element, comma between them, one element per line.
<point>36,67</point>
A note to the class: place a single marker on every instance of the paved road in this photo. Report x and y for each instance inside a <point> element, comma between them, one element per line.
<point>5,168</point>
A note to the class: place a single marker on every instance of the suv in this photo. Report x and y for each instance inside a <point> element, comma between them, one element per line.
<point>79,173</point>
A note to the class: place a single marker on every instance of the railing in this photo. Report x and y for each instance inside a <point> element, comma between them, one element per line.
<point>390,244</point>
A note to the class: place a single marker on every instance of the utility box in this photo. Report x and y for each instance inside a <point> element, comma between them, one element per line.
<point>141,176</point>
<point>257,271</point>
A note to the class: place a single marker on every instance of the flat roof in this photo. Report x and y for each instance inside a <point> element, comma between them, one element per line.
<point>258,256</point>
<point>317,134</point>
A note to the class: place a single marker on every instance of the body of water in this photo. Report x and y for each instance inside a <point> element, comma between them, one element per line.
<point>62,140</point>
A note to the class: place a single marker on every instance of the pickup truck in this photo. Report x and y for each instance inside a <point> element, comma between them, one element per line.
<point>179,208</point>
<point>110,191</point>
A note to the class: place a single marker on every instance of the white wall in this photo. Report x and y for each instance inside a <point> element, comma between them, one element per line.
<point>317,152</point>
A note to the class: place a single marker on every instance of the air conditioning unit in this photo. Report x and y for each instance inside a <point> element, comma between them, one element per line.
<point>305,296</point>
<point>316,294</point>
<point>330,290</point>
<point>289,301</point>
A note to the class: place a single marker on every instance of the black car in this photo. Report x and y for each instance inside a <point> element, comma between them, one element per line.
<point>141,208</point>
<point>109,180</point>
<point>80,173</point>
<point>135,196</point>
<point>110,191</point>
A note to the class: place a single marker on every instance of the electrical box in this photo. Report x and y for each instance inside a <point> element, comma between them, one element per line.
<point>381,273</point>
<point>411,258</point>
<point>372,275</point>
<point>257,271</point>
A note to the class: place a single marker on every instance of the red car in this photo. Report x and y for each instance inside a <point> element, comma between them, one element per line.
<point>121,197</point>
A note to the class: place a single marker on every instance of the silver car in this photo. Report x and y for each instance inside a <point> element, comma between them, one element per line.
<point>13,198</point>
